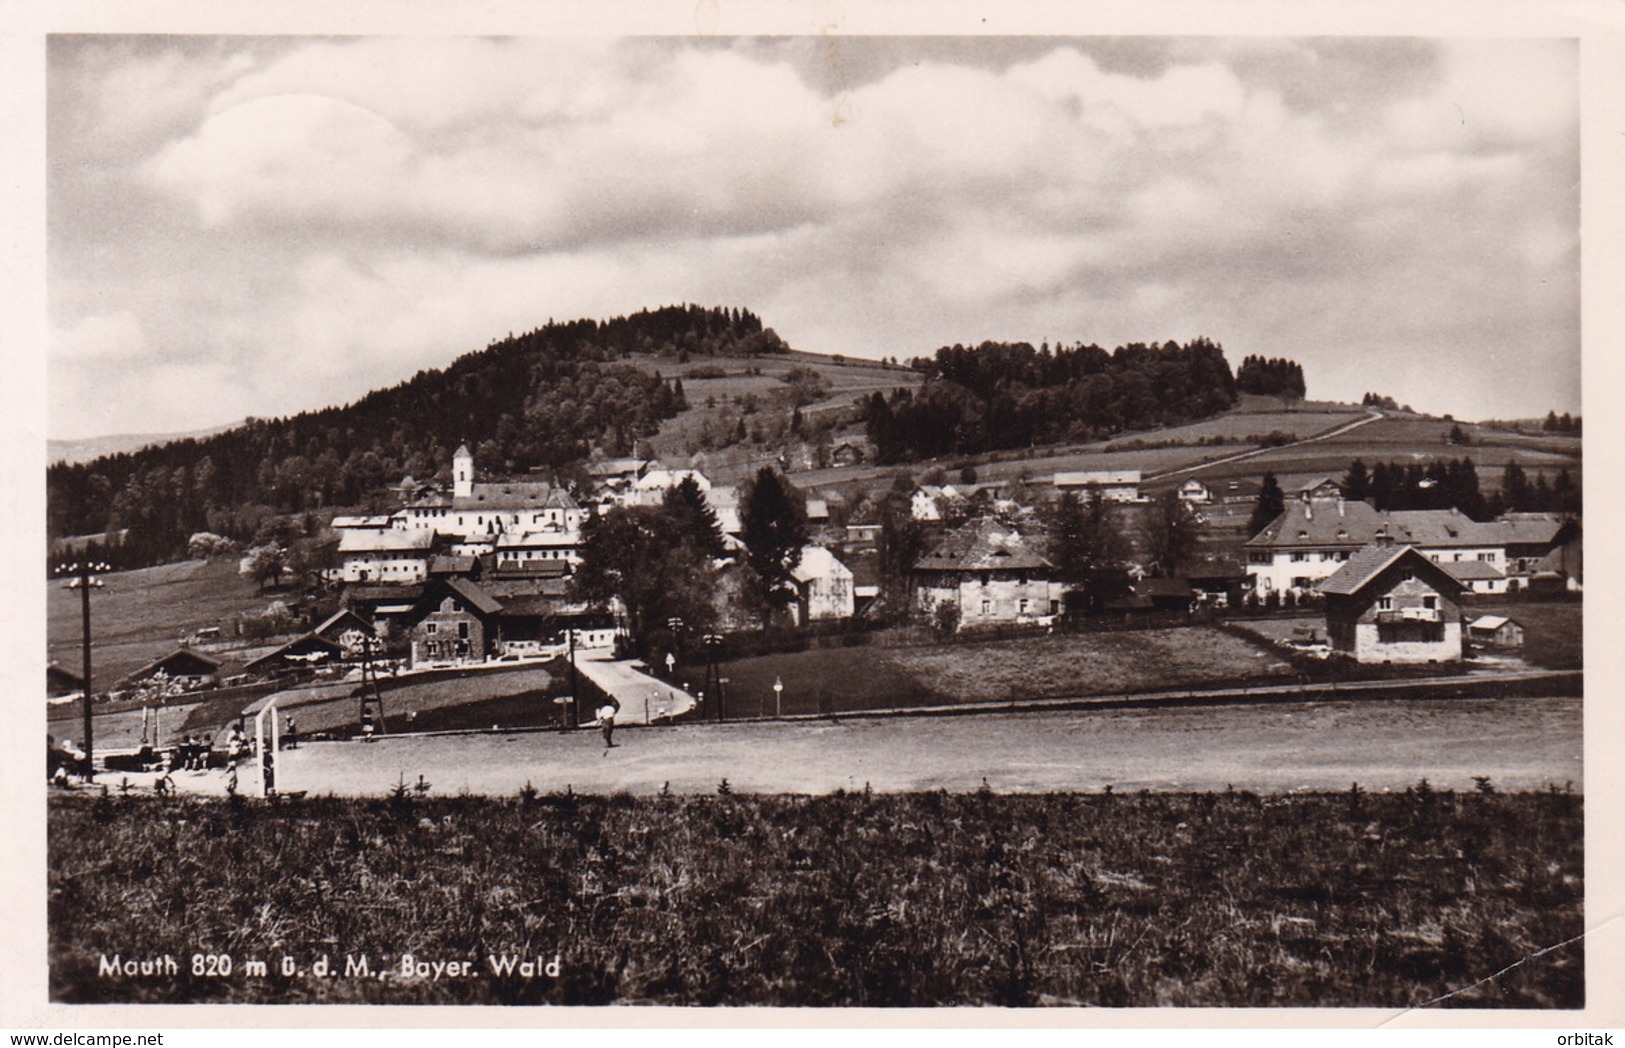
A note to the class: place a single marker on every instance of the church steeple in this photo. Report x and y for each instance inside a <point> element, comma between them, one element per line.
<point>462,472</point>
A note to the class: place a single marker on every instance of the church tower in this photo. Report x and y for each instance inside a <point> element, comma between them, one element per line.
<point>462,472</point>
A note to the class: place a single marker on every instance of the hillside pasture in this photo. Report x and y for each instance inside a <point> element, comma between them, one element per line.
<point>138,616</point>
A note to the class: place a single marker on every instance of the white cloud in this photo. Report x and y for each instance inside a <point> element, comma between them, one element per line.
<point>388,204</point>
<point>98,339</point>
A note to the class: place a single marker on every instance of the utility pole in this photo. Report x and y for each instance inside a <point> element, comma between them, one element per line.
<point>84,581</point>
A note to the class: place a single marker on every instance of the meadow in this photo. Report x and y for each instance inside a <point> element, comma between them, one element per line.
<point>1055,665</point>
<point>137,616</point>
<point>1420,898</point>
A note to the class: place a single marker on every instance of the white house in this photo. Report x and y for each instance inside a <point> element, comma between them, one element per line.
<point>1195,491</point>
<point>651,488</point>
<point>384,555</point>
<point>1114,485</point>
<point>1314,537</point>
<point>991,573</point>
<point>824,588</point>
<point>525,549</point>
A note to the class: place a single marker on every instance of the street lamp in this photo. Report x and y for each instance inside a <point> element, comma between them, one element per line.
<point>84,581</point>
<point>713,677</point>
<point>778,697</point>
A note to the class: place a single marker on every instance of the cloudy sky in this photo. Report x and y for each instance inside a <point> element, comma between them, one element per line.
<point>255,226</point>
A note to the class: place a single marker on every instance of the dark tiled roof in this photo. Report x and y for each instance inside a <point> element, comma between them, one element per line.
<point>984,545</point>
<point>449,565</point>
<point>1370,561</point>
<point>201,664</point>
<point>1471,570</point>
<point>474,596</point>
<point>1346,524</point>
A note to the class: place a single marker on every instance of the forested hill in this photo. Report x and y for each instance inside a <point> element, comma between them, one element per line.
<point>1003,395</point>
<point>541,399</point>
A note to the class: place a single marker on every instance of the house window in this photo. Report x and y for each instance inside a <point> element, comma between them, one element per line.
<point>1488,558</point>
<point>430,627</point>
<point>1385,604</point>
<point>1299,557</point>
<point>1431,603</point>
<point>462,630</point>
<point>1025,603</point>
<point>987,608</point>
<point>1301,582</point>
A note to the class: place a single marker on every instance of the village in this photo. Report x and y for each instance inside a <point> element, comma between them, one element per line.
<point>483,572</point>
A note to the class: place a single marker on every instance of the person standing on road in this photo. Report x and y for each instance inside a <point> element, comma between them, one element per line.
<point>292,734</point>
<point>606,721</point>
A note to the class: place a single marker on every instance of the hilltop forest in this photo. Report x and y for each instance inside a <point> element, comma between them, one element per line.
<point>543,399</point>
<point>1004,395</point>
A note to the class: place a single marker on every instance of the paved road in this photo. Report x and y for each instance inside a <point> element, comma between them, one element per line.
<point>643,698</point>
<point>1382,744</point>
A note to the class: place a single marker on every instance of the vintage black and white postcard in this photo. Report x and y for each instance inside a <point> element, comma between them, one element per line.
<point>723,512</point>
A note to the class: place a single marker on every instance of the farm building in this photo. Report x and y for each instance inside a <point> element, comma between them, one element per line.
<point>1195,491</point>
<point>61,682</point>
<point>991,573</point>
<point>1497,631</point>
<point>190,669</point>
<point>1390,603</point>
<point>300,654</point>
<point>1113,485</point>
<point>346,629</point>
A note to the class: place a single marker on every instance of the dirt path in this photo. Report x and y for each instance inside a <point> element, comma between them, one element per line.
<point>1372,415</point>
<point>1386,744</point>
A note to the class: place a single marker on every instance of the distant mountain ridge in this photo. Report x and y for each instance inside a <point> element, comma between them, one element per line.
<point>89,449</point>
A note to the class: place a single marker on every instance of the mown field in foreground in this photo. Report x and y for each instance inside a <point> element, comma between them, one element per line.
<point>1221,899</point>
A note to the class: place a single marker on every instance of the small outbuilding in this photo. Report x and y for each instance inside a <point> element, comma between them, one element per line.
<point>1495,631</point>
<point>192,669</point>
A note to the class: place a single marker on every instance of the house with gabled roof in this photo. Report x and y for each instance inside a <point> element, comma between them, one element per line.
<point>1312,538</point>
<point>1391,603</point>
<point>991,572</point>
<point>454,621</point>
<point>824,587</point>
<point>389,555</point>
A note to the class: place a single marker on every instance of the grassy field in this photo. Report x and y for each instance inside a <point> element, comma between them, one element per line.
<point>1554,631</point>
<point>1061,664</point>
<point>138,616</point>
<point>1414,899</point>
